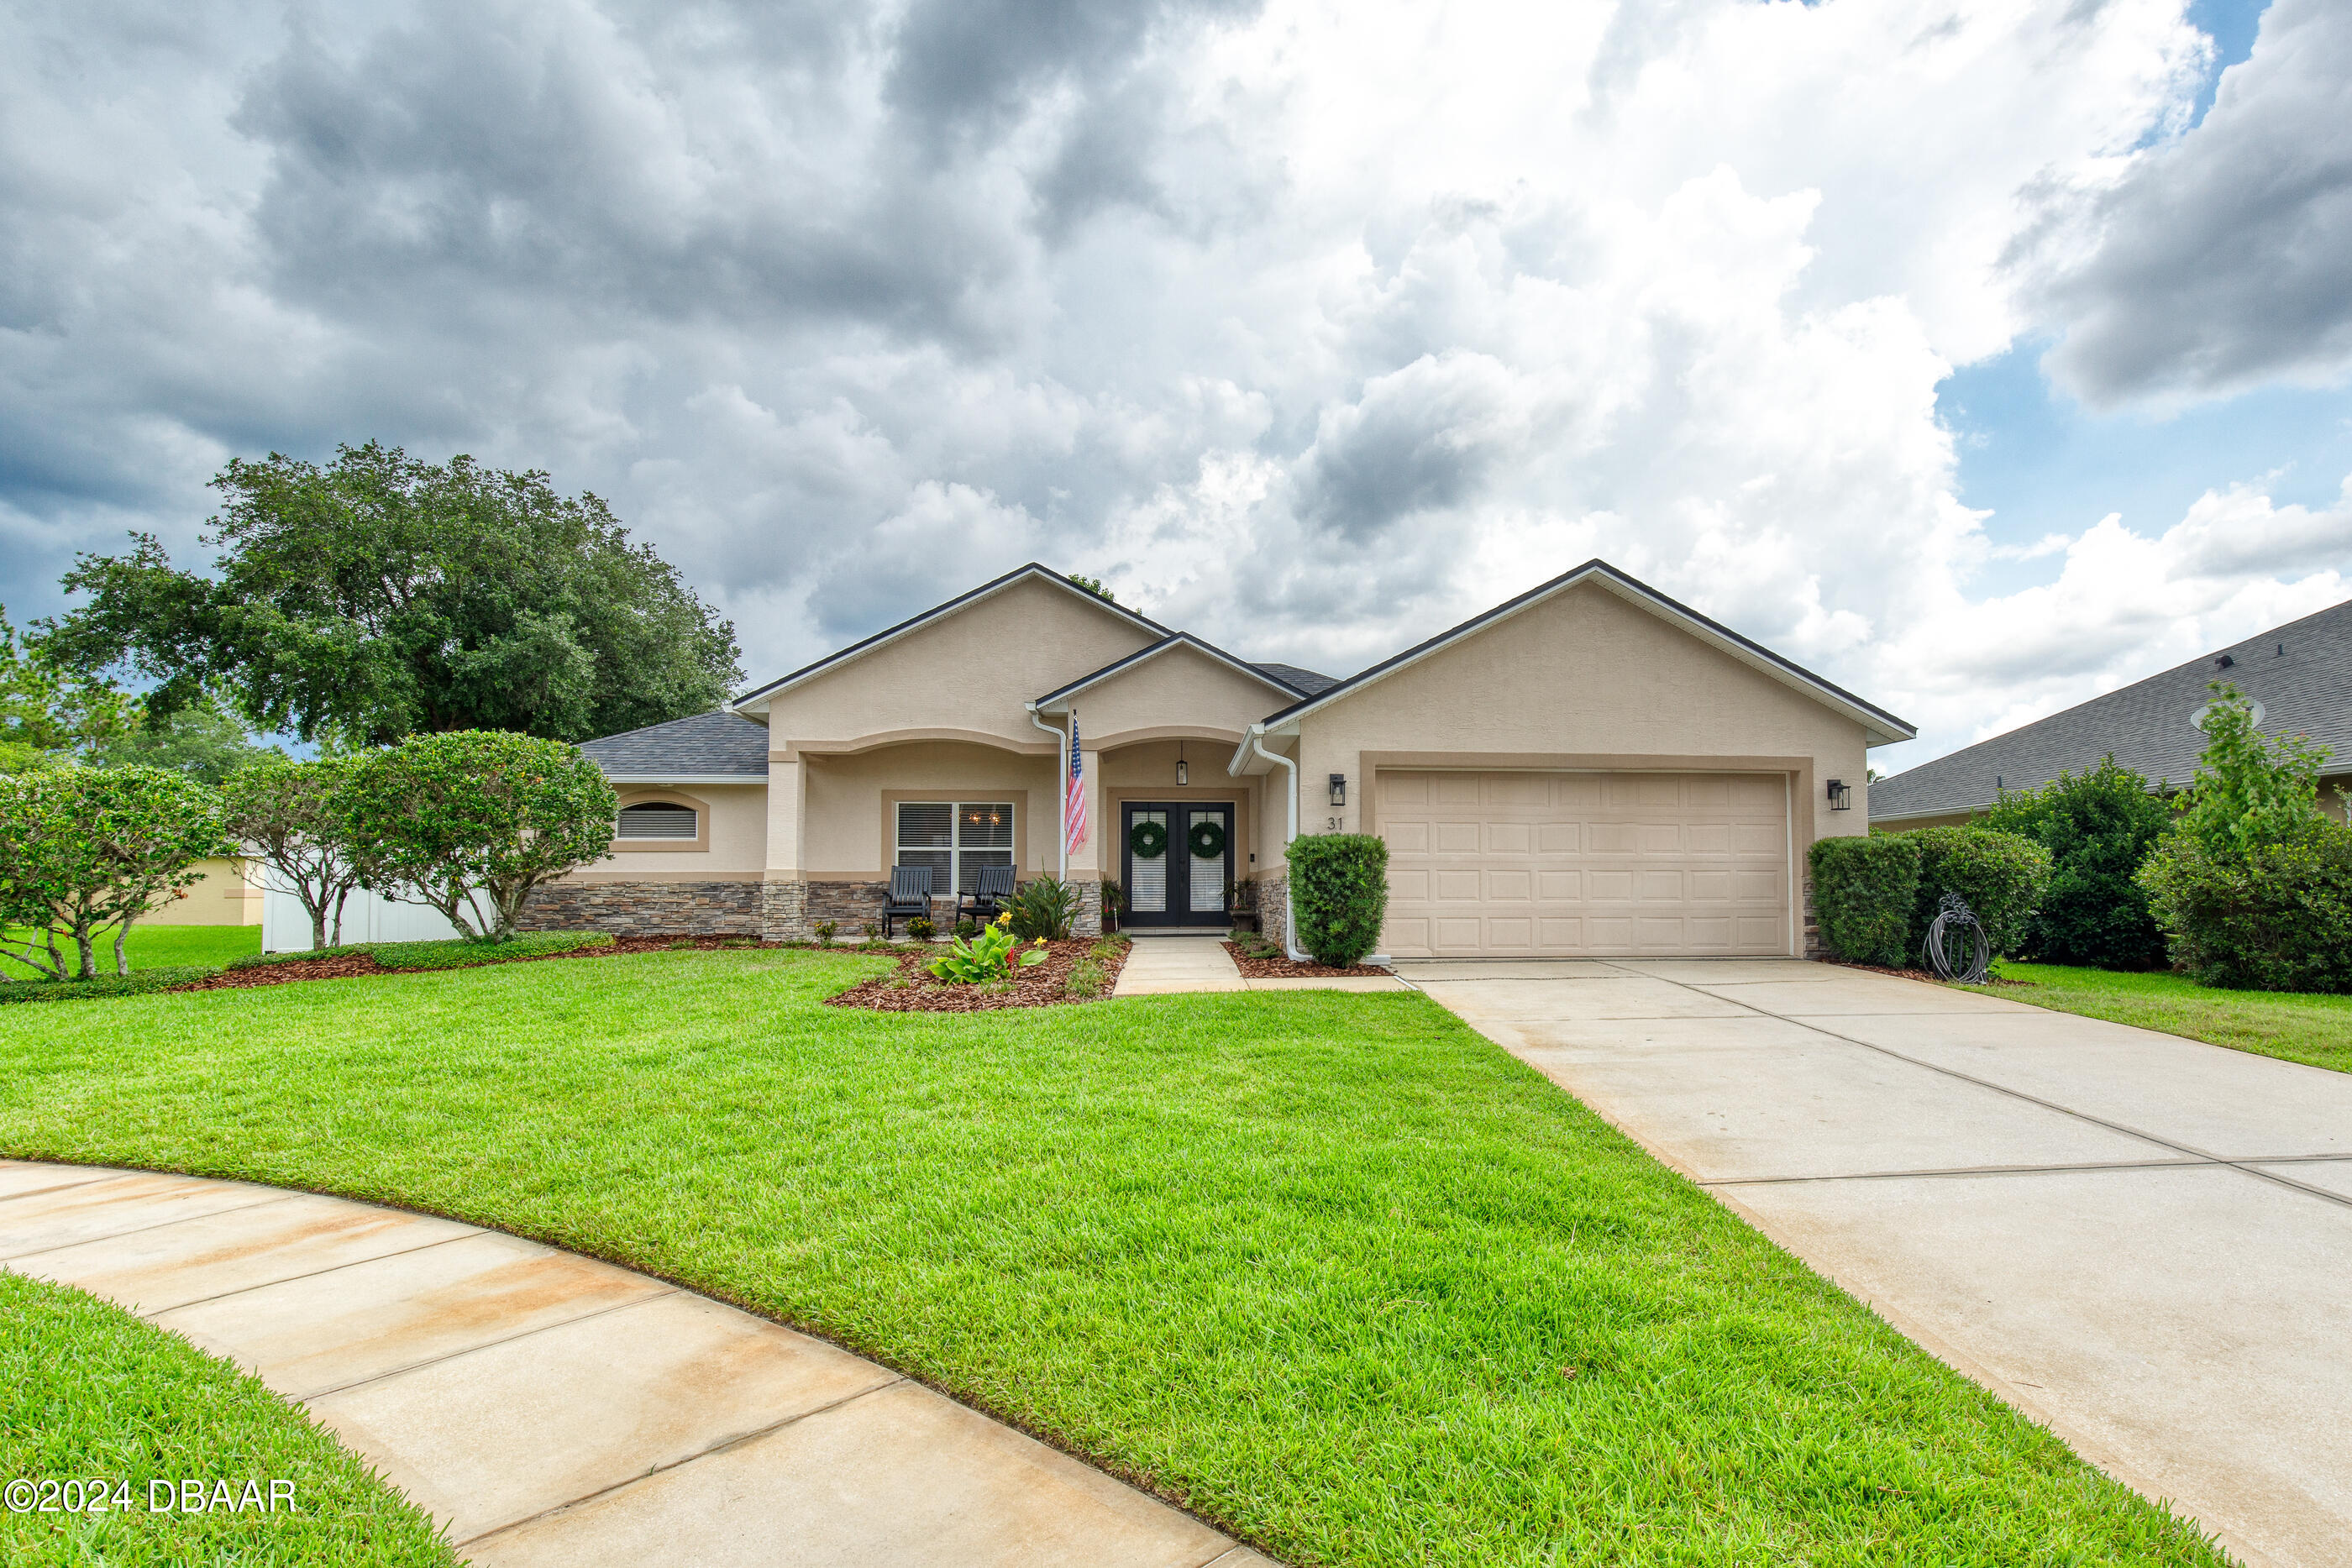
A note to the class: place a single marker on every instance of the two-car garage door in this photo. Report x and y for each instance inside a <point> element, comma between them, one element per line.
<point>1576,865</point>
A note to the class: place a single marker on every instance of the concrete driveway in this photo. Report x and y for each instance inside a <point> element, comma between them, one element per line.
<point>2142,1241</point>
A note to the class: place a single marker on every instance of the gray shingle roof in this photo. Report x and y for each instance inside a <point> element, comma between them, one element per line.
<point>2301,673</point>
<point>707,746</point>
<point>1306,681</point>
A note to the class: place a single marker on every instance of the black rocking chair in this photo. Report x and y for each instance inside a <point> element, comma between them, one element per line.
<point>985,900</point>
<point>911,895</point>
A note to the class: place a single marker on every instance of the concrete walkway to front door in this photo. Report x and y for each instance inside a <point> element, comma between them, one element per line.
<point>549,1408</point>
<point>2141,1241</point>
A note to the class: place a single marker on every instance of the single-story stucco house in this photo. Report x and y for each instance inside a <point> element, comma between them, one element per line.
<point>1589,768</point>
<point>2298,676</point>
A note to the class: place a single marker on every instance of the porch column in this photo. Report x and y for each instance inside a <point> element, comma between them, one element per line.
<point>1087,861</point>
<point>783,892</point>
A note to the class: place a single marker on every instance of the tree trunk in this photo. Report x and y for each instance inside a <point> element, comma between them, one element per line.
<point>121,963</point>
<point>341,894</point>
<point>88,951</point>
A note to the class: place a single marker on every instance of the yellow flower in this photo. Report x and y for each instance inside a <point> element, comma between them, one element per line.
<point>1040,942</point>
<point>1005,918</point>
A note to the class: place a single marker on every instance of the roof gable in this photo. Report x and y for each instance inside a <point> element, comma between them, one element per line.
<point>1880,727</point>
<point>1032,572</point>
<point>1056,700</point>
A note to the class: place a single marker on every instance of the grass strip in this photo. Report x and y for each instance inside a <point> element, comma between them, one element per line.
<point>88,1393</point>
<point>444,955</point>
<point>2293,1026</point>
<point>1330,1269</point>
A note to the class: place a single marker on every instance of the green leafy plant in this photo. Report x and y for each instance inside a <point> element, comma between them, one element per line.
<point>2099,827</point>
<point>825,931</point>
<point>1864,889</point>
<point>1043,907</point>
<point>2001,875</point>
<point>967,928</point>
<point>922,928</point>
<point>995,954</point>
<point>291,815</point>
<point>1339,890</point>
<point>2276,916</point>
<point>440,819</point>
<point>86,850</point>
<point>2250,789</point>
<point>162,978</point>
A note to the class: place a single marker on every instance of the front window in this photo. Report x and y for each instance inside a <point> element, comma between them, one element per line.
<point>955,839</point>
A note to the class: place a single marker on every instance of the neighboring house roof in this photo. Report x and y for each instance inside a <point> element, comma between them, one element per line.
<point>1306,683</point>
<point>892,634</point>
<point>1879,726</point>
<point>1058,698</point>
<point>708,749</point>
<point>2300,673</point>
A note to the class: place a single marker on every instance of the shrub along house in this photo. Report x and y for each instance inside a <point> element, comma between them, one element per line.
<point>1589,768</point>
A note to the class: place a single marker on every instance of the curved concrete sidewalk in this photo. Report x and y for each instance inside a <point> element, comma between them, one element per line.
<point>549,1408</point>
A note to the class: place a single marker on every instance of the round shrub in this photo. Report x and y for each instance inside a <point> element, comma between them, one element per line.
<point>2275,917</point>
<point>2001,875</point>
<point>1339,894</point>
<point>1864,889</point>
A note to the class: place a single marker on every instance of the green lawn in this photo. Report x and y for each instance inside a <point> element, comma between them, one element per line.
<point>161,946</point>
<point>1330,1268</point>
<point>2291,1025</point>
<point>88,1391</point>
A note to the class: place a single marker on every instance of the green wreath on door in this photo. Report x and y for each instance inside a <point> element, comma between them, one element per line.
<point>1148,838</point>
<point>1207,838</point>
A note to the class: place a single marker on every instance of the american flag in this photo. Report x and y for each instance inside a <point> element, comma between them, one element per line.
<point>1074,797</point>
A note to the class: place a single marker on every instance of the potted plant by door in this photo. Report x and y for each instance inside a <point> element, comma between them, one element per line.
<point>1113,898</point>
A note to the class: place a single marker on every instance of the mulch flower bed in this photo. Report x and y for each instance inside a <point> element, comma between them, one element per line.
<point>1278,967</point>
<point>911,988</point>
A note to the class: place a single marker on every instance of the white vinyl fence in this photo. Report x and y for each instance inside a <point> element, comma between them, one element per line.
<point>367,917</point>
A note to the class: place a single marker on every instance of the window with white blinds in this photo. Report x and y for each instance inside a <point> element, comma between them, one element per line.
<point>657,820</point>
<point>955,839</point>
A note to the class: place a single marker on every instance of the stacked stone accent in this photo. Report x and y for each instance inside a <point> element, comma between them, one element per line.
<point>783,911</point>
<point>1814,947</point>
<point>850,904</point>
<point>1088,920</point>
<point>1273,907</point>
<point>646,908</point>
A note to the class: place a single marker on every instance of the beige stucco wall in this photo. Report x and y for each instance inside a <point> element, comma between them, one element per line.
<point>226,897</point>
<point>974,670</point>
<point>735,828</point>
<point>1583,679</point>
<point>1181,689</point>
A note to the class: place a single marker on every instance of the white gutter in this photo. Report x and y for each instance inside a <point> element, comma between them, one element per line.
<point>1062,784</point>
<point>1255,742</point>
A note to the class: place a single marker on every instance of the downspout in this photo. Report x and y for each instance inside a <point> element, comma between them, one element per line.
<point>1289,902</point>
<point>1061,788</point>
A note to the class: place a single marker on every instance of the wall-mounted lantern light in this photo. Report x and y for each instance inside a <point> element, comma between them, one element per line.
<point>1840,797</point>
<point>1183,774</point>
<point>1338,788</point>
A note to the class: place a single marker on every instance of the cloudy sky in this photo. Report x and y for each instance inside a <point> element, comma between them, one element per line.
<point>1982,354</point>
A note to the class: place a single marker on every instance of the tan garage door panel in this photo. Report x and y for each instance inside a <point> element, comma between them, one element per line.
<point>1568,864</point>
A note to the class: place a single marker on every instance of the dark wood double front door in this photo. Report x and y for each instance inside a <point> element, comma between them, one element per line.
<point>1168,880</point>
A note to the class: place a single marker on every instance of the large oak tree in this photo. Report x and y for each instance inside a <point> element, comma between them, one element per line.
<point>380,596</point>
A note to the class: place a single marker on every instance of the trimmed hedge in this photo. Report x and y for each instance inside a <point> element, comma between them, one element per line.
<point>452,955</point>
<point>130,985</point>
<point>2278,917</point>
<point>2099,827</point>
<point>1338,894</point>
<point>2001,875</point>
<point>1863,890</point>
